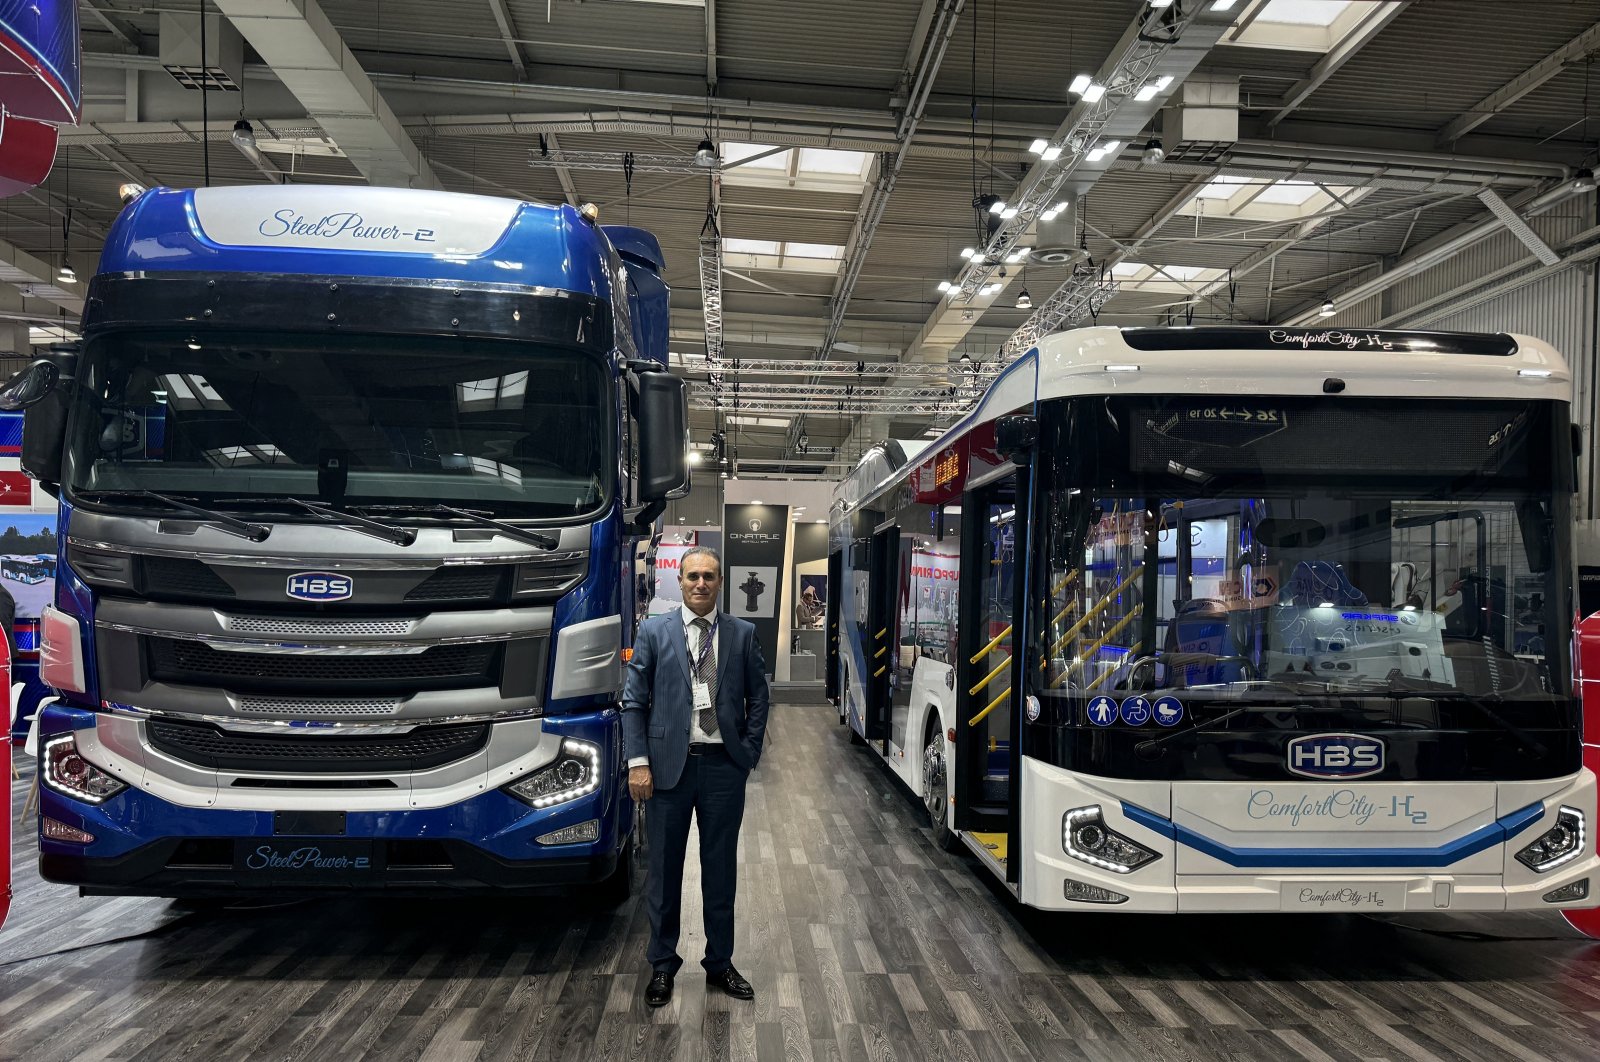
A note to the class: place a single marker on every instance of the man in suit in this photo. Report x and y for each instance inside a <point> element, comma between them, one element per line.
<point>694,712</point>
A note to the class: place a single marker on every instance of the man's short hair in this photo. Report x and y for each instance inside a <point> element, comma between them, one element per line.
<point>700,551</point>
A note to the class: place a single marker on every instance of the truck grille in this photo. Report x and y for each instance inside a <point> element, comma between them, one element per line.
<point>206,745</point>
<point>175,576</point>
<point>442,667</point>
<point>461,584</point>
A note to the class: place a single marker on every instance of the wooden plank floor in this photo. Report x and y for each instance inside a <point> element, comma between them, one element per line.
<point>862,940</point>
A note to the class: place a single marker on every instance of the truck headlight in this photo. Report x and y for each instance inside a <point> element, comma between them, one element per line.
<point>1085,836</point>
<point>66,771</point>
<point>575,773</point>
<point>1560,844</point>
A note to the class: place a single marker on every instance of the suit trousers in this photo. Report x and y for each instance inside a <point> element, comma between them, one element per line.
<point>712,791</point>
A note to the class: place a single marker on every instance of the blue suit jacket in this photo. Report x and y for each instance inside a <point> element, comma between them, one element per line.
<point>658,704</point>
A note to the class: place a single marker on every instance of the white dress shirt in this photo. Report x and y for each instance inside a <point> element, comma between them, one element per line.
<point>691,644</point>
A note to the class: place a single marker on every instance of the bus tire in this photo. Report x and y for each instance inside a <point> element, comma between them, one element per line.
<point>936,788</point>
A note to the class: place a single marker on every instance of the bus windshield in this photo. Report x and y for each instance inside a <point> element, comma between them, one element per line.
<point>511,428</point>
<point>1201,553</point>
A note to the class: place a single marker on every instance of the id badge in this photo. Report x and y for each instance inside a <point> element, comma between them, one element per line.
<point>702,696</point>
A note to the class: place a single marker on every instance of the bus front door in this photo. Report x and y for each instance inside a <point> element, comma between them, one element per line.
<point>883,618</point>
<point>985,751</point>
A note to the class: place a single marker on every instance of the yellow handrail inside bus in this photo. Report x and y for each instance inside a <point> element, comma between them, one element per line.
<point>992,706</point>
<point>1134,652</point>
<point>881,633</point>
<point>981,653</point>
<point>990,677</point>
<point>1103,604</point>
<point>1062,585</point>
<point>880,652</point>
<point>880,671</point>
<point>1095,648</point>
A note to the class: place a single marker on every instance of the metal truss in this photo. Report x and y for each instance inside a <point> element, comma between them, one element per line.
<point>1078,298</point>
<point>744,391</point>
<point>801,367</point>
<point>614,161</point>
<point>1131,72</point>
<point>711,271</point>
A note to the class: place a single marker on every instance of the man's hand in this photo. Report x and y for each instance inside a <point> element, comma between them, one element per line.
<point>641,785</point>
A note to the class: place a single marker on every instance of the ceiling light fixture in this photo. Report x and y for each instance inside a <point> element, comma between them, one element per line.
<point>66,274</point>
<point>705,154</point>
<point>945,285</point>
<point>1050,154</point>
<point>1094,93</point>
<point>1153,153</point>
<point>243,135</point>
<point>1024,302</point>
<point>1328,308</point>
<point>1583,181</point>
<point>1223,5</point>
<point>1080,84</point>
<point>1038,146</point>
<point>994,204</point>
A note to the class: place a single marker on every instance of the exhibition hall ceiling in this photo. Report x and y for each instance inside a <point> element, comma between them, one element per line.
<point>1195,161</point>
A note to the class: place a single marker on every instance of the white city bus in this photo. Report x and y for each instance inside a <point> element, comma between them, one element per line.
<point>1234,619</point>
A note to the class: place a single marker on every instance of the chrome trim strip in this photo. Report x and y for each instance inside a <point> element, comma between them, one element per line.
<point>322,726</point>
<point>377,647</point>
<point>306,561</point>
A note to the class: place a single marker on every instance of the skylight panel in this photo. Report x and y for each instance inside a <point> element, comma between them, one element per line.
<point>814,250</point>
<point>1168,279</point>
<point>1223,187</point>
<point>737,246</point>
<point>732,153</point>
<point>827,160</point>
<point>1323,13</point>
<point>1300,25</point>
<point>1292,193</point>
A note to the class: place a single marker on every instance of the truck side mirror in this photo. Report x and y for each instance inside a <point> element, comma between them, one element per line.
<point>29,386</point>
<point>664,436</point>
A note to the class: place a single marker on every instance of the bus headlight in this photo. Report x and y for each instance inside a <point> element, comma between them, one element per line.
<point>66,771</point>
<point>1085,836</point>
<point>575,773</point>
<point>1560,844</point>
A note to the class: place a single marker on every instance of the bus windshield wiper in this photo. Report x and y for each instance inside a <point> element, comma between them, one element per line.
<point>522,534</point>
<point>1151,747</point>
<point>231,524</point>
<point>400,536</point>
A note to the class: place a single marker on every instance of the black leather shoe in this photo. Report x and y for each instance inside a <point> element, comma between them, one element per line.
<point>658,993</point>
<point>730,982</point>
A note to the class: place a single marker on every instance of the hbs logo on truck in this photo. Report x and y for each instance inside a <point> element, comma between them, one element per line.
<point>1335,756</point>
<point>320,586</point>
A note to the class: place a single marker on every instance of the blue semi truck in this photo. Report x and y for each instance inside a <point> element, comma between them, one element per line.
<point>354,485</point>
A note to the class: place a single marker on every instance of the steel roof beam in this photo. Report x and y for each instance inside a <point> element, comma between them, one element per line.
<point>304,49</point>
<point>1331,63</point>
<point>125,32</point>
<point>508,34</point>
<point>1503,97</point>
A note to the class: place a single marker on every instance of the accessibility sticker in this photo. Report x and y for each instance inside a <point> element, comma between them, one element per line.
<point>1168,711</point>
<point>1102,711</point>
<point>1136,711</point>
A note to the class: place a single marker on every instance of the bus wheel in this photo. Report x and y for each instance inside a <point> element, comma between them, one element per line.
<point>1585,922</point>
<point>614,890</point>
<point>936,790</point>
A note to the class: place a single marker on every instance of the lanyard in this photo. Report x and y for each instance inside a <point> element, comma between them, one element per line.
<point>706,645</point>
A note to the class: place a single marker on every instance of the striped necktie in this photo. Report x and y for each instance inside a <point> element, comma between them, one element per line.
<point>706,671</point>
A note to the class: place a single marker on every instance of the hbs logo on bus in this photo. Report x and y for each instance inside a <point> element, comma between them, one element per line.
<point>320,586</point>
<point>1335,756</point>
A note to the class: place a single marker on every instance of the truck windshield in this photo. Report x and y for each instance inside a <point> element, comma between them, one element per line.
<point>1325,554</point>
<point>518,430</point>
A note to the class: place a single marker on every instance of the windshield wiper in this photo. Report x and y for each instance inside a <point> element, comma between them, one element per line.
<point>231,524</point>
<point>400,536</point>
<point>522,534</point>
<point>1150,746</point>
